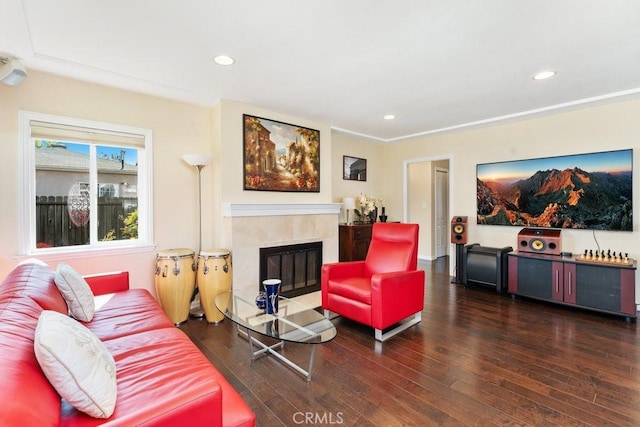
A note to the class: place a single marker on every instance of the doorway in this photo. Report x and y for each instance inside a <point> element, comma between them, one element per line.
<point>427,201</point>
<point>441,206</point>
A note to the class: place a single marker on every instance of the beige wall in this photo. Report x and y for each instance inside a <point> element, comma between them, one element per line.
<point>349,145</point>
<point>610,127</point>
<point>178,128</point>
<point>419,202</point>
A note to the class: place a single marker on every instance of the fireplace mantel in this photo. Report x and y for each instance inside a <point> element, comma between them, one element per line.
<point>276,209</point>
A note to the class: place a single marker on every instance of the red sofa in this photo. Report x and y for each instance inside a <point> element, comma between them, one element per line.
<point>162,377</point>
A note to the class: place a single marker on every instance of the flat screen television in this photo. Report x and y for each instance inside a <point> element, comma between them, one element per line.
<point>581,191</point>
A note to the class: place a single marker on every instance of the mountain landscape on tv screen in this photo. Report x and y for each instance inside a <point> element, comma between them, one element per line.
<point>569,198</point>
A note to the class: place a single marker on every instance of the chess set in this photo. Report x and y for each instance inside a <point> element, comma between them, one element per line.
<point>600,256</point>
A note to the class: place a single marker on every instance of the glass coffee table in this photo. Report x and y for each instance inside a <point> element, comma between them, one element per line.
<point>295,322</point>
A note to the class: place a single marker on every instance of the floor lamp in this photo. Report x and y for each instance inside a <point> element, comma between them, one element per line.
<point>198,161</point>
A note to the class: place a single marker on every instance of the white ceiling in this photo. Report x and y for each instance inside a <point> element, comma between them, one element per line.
<point>436,65</point>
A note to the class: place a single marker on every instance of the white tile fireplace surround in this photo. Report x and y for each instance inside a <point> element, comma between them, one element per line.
<point>249,227</point>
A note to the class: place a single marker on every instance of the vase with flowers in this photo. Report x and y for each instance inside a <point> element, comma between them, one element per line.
<point>373,215</point>
<point>367,210</point>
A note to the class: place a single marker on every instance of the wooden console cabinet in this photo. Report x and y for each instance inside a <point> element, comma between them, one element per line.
<point>605,287</point>
<point>354,241</point>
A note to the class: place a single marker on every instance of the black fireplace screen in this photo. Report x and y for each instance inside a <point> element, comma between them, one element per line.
<point>298,266</point>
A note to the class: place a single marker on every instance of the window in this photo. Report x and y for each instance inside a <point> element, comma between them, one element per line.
<point>86,185</point>
<point>107,190</point>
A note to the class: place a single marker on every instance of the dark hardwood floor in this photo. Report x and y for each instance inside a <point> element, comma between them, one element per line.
<point>477,358</point>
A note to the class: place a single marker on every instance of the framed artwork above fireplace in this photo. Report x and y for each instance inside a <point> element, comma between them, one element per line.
<point>280,156</point>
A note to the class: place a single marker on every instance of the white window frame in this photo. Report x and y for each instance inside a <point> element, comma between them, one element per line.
<point>27,190</point>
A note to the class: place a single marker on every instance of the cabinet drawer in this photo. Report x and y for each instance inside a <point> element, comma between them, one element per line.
<point>354,241</point>
<point>362,233</point>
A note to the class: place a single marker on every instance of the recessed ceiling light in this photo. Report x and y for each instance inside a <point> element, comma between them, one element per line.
<point>544,75</point>
<point>223,60</point>
<point>389,117</point>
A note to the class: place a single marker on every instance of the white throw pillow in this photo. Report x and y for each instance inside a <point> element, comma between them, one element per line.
<point>76,292</point>
<point>76,363</point>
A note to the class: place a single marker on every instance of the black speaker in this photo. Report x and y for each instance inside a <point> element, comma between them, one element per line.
<point>459,230</point>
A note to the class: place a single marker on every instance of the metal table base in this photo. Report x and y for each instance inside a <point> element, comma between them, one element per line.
<point>271,349</point>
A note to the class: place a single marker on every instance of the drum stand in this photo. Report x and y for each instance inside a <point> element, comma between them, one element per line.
<point>196,310</point>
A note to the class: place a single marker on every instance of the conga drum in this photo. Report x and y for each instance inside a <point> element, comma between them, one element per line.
<point>175,281</point>
<point>215,273</point>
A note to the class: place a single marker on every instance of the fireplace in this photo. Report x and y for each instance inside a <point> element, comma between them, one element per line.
<point>248,227</point>
<point>298,266</point>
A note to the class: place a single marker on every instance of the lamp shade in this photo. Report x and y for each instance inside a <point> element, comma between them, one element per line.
<point>348,203</point>
<point>197,159</point>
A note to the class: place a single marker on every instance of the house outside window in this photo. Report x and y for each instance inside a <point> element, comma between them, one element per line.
<point>87,185</point>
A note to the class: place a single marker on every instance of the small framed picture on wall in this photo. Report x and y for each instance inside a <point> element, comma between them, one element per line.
<point>354,168</point>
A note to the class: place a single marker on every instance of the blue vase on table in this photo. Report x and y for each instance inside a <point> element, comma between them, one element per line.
<point>272,293</point>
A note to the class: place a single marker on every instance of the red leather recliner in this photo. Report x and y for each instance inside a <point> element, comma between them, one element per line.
<point>384,290</point>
